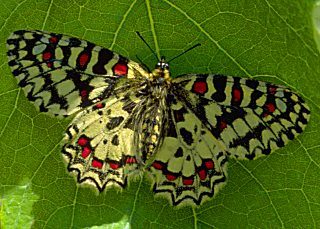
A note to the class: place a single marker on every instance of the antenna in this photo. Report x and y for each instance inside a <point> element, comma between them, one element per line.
<point>196,45</point>
<point>153,52</point>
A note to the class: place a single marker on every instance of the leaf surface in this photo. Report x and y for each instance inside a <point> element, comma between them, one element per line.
<point>267,40</point>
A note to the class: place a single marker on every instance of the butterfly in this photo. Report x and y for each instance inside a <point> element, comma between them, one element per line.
<point>128,120</point>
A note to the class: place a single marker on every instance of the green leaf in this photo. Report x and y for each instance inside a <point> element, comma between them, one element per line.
<point>273,40</point>
<point>17,205</point>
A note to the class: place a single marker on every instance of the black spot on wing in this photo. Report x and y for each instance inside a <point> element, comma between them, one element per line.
<point>179,114</point>
<point>171,127</point>
<point>219,82</point>
<point>179,152</point>
<point>74,42</point>
<point>186,136</point>
<point>104,57</point>
<point>115,140</point>
<point>114,122</point>
<point>252,83</point>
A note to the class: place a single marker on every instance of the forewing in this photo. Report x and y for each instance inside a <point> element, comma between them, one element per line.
<point>63,74</point>
<point>251,118</point>
<point>190,166</point>
<point>99,143</point>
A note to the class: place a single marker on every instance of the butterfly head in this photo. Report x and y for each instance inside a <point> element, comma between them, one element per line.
<point>161,70</point>
<point>162,64</point>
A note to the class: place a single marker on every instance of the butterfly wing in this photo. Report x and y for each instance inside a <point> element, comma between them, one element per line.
<point>212,117</point>
<point>191,164</point>
<point>251,118</point>
<point>99,143</point>
<point>62,74</point>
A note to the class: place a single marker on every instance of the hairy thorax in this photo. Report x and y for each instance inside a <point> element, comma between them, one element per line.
<point>151,116</point>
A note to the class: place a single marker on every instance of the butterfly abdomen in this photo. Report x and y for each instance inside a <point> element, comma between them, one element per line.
<point>152,115</point>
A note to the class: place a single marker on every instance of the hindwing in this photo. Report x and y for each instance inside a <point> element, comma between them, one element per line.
<point>191,164</point>
<point>99,143</point>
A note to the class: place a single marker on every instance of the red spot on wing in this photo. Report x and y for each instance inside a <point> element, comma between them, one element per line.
<point>187,180</point>
<point>236,95</point>
<point>202,174</point>
<point>200,87</point>
<point>46,56</point>
<point>222,125</point>
<point>99,105</point>
<point>157,165</point>
<point>82,141</point>
<point>53,40</point>
<point>97,163</point>
<point>83,59</point>
<point>269,108</point>
<point>114,165</point>
<point>272,90</point>
<point>171,177</point>
<point>120,69</point>
<point>85,152</point>
<point>131,160</point>
<point>84,93</point>
<point>209,164</point>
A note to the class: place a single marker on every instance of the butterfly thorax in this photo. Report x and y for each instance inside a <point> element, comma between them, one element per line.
<point>151,117</point>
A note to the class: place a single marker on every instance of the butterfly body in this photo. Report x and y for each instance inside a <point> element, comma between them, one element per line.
<point>128,120</point>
